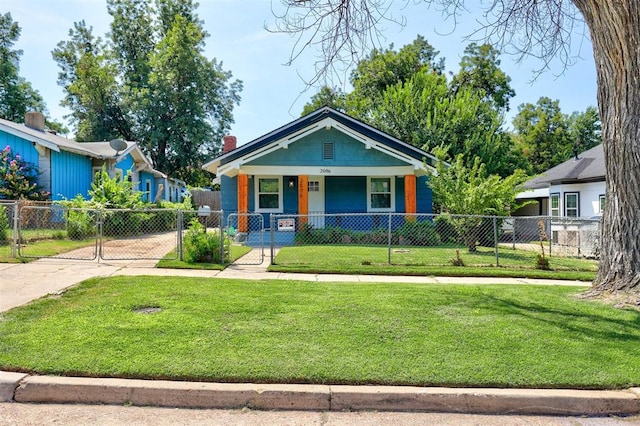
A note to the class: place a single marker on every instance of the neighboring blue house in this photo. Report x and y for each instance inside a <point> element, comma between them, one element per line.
<point>67,168</point>
<point>324,162</point>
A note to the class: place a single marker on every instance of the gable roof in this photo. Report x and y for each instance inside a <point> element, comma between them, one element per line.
<point>587,167</point>
<point>322,118</point>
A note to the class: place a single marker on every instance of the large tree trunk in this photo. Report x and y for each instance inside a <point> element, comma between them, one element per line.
<point>615,35</point>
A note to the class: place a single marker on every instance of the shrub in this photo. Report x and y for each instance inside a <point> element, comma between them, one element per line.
<point>4,225</point>
<point>419,233</point>
<point>19,179</point>
<point>80,225</point>
<point>200,247</point>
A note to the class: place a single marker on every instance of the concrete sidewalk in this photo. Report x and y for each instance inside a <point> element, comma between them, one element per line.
<point>53,390</point>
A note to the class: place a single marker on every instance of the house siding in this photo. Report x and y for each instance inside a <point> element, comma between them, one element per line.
<point>71,174</point>
<point>20,146</point>
<point>424,195</point>
<point>589,198</point>
<point>144,178</point>
<point>348,152</point>
<point>125,165</point>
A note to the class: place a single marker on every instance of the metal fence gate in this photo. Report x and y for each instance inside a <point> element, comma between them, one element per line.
<point>36,223</point>
<point>248,229</point>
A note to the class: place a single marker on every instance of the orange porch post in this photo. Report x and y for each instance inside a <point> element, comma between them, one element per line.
<point>303,199</point>
<point>410,204</point>
<point>243,202</point>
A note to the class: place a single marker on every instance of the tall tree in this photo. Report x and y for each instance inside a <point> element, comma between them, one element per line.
<point>480,70</point>
<point>548,137</point>
<point>543,134</point>
<point>89,80</point>
<point>384,68</point>
<point>17,96</point>
<point>547,26</point>
<point>327,96</point>
<point>150,82</point>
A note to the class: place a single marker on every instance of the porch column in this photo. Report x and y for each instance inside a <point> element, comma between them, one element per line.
<point>410,204</point>
<point>243,202</point>
<point>303,199</point>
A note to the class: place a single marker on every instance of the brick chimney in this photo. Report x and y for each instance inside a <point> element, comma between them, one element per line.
<point>34,120</point>
<point>229,143</point>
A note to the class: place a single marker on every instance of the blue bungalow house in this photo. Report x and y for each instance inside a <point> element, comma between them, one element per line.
<point>323,163</point>
<point>67,168</point>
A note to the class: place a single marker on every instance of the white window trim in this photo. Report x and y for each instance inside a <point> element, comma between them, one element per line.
<point>551,209</point>
<point>256,186</point>
<point>577,207</point>
<point>392,181</point>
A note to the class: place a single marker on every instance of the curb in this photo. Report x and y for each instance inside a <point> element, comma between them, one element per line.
<point>16,387</point>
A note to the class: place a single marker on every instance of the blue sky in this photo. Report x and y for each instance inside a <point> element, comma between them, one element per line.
<point>274,94</point>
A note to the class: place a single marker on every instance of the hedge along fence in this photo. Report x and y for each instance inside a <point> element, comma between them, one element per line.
<point>490,239</point>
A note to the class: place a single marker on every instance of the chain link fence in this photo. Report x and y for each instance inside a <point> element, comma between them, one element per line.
<point>429,240</point>
<point>354,239</point>
<point>42,230</point>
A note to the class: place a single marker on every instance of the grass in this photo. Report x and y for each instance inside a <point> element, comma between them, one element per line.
<point>427,261</point>
<point>309,332</point>
<point>41,248</point>
<point>171,261</point>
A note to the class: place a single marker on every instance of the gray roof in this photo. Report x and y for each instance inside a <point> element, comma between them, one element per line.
<point>588,167</point>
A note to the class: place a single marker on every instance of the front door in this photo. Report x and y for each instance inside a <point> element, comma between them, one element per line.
<point>316,201</point>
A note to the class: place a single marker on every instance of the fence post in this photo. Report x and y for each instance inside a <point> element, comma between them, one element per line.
<point>513,233</point>
<point>272,225</point>
<point>179,228</point>
<point>14,246</point>
<point>389,240</point>
<point>550,234</point>
<point>495,239</point>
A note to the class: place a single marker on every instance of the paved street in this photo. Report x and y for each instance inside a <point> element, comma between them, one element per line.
<point>71,415</point>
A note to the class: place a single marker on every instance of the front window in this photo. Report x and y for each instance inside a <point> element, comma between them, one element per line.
<point>571,204</point>
<point>269,194</point>
<point>381,194</point>
<point>602,202</point>
<point>555,204</point>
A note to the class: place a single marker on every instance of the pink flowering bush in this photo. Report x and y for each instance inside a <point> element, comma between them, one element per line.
<point>18,179</point>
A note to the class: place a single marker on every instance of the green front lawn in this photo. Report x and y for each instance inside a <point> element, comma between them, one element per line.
<point>353,259</point>
<point>42,248</point>
<point>309,332</point>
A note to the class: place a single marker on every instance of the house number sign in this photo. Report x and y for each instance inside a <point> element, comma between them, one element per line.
<point>325,171</point>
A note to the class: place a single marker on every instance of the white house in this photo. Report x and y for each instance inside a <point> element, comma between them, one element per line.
<point>575,188</point>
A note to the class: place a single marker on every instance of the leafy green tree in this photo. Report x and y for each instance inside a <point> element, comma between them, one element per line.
<point>424,112</point>
<point>19,179</point>
<point>543,134</point>
<point>90,84</point>
<point>585,129</point>
<point>327,96</point>
<point>17,96</point>
<point>150,82</point>
<point>459,189</point>
<point>384,68</point>
<point>480,71</point>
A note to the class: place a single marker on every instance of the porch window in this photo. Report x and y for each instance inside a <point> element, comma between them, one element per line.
<point>571,203</point>
<point>555,204</point>
<point>269,194</point>
<point>380,197</point>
